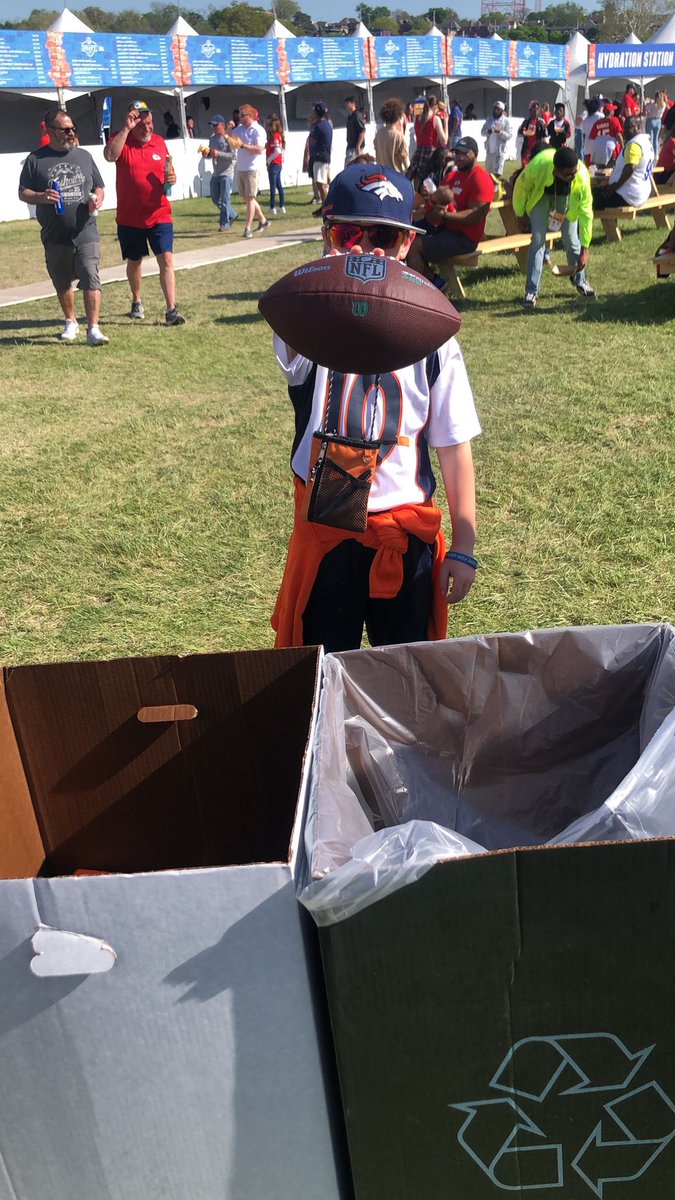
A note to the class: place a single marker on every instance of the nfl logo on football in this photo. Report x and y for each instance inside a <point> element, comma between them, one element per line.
<point>366,267</point>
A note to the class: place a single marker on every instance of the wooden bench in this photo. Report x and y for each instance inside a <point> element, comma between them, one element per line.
<point>665,265</point>
<point>654,206</point>
<point>517,243</point>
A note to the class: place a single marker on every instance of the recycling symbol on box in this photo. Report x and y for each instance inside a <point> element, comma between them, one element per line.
<point>632,1124</point>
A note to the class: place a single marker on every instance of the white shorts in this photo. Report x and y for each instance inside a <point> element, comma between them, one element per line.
<point>321,172</point>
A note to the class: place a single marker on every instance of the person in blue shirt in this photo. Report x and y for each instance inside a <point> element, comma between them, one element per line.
<point>455,124</point>
<point>320,143</point>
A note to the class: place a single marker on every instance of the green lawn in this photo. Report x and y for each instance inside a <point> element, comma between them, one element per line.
<point>145,496</point>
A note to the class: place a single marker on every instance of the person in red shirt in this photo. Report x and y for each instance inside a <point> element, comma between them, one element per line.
<point>605,141</point>
<point>666,164</point>
<point>630,105</point>
<point>144,217</point>
<point>469,191</point>
<point>532,130</point>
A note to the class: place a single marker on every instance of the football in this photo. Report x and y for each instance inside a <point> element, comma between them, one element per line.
<point>361,314</point>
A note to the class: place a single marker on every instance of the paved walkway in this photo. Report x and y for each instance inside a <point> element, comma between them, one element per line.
<point>186,260</point>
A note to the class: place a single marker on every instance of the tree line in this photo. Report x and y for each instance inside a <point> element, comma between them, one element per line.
<point>613,22</point>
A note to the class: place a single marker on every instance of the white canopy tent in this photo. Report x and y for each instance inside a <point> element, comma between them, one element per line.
<point>666,34</point>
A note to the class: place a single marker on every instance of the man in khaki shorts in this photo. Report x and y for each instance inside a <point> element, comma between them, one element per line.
<point>250,159</point>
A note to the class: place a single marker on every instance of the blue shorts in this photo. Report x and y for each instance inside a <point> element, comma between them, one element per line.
<point>134,242</point>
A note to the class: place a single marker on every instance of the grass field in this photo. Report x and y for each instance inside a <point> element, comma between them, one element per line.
<point>145,496</point>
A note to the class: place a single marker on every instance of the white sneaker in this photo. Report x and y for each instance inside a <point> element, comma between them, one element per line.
<point>282,210</point>
<point>272,212</point>
<point>95,337</point>
<point>70,331</point>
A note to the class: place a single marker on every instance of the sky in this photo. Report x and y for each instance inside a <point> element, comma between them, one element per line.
<point>319,10</point>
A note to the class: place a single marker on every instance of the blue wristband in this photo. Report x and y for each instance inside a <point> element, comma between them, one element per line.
<point>463,558</point>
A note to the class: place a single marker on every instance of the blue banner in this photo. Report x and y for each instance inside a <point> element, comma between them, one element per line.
<point>318,60</point>
<point>464,61</point>
<point>630,61</point>
<point>406,57</point>
<point>207,61</point>
<point>90,61</point>
<point>91,58</point>
<point>540,60</point>
<point>144,60</point>
<point>23,60</point>
<point>493,58</point>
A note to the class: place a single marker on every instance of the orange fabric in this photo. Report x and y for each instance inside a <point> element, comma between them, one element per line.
<point>387,533</point>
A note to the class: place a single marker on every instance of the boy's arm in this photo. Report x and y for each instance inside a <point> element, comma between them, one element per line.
<point>456,463</point>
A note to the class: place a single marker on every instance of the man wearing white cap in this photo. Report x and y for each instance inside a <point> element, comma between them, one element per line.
<point>497,134</point>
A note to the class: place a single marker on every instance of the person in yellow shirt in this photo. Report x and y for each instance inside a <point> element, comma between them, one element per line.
<point>554,193</point>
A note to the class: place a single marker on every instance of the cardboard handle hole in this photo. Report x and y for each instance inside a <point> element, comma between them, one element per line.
<point>166,712</point>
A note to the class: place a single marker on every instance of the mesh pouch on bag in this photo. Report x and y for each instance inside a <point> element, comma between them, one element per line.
<point>340,477</point>
<point>341,471</point>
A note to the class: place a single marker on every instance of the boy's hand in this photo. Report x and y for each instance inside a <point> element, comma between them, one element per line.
<point>456,580</point>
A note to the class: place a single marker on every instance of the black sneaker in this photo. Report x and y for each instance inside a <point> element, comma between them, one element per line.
<point>174,317</point>
<point>137,311</point>
<point>263,225</point>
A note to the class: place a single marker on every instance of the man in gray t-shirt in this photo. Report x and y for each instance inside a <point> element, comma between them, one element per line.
<point>223,154</point>
<point>70,237</point>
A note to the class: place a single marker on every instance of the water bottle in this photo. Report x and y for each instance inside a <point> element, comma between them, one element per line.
<point>168,170</point>
<point>59,206</point>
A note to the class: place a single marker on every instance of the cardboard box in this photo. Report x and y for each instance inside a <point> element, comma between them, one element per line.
<point>502,1019</point>
<point>159,1035</point>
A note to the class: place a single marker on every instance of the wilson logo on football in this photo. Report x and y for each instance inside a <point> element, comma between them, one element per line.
<point>381,186</point>
<point>366,267</point>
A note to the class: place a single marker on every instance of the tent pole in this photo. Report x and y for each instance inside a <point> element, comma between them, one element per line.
<point>182,119</point>
<point>282,108</point>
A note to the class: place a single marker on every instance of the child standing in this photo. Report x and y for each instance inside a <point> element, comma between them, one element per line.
<point>276,144</point>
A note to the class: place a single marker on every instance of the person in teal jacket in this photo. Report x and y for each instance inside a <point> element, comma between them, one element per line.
<point>553,192</point>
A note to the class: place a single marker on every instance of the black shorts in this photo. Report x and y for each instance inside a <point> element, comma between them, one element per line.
<point>134,242</point>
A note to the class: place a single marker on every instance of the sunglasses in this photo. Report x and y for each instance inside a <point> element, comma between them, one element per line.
<point>64,128</point>
<point>344,237</point>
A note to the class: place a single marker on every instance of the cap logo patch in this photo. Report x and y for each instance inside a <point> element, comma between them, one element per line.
<point>381,186</point>
<point>366,267</point>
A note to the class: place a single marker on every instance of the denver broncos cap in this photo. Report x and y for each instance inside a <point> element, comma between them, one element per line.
<point>372,193</point>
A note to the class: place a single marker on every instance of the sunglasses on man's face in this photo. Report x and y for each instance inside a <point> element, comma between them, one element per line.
<point>64,128</point>
<point>344,236</point>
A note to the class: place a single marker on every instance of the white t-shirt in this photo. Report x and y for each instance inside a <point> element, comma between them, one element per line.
<point>416,407</point>
<point>253,135</point>
<point>587,125</point>
<point>637,189</point>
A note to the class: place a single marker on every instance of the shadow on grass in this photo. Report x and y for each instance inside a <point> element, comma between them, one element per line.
<point>242,319</point>
<point>27,324</point>
<point>234,296</point>
<point>654,305</point>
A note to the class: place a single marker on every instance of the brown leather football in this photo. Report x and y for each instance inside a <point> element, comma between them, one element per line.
<point>361,314</point>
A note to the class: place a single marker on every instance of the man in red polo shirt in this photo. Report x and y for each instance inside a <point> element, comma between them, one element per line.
<point>144,217</point>
<point>462,206</point>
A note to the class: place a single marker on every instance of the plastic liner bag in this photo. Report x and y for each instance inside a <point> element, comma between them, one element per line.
<point>436,750</point>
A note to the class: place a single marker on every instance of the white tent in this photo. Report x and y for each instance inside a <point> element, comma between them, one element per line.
<point>361,31</point>
<point>494,37</point>
<point>577,80</point>
<point>620,81</point>
<point>181,28</point>
<point>666,33</point>
<point>434,32</point>
<point>67,22</point>
<point>277,30</point>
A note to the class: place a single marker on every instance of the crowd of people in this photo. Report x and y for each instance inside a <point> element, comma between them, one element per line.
<point>567,172</point>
